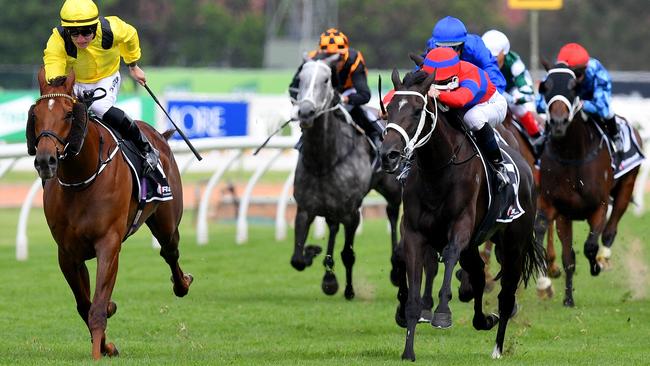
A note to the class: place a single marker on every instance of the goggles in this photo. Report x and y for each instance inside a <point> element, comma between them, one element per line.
<point>85,31</point>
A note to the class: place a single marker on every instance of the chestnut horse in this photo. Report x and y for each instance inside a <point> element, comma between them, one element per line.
<point>445,201</point>
<point>576,177</point>
<point>88,201</point>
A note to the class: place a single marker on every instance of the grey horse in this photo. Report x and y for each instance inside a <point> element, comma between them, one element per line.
<point>335,172</point>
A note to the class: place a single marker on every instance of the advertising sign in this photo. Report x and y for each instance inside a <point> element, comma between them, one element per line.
<point>208,118</point>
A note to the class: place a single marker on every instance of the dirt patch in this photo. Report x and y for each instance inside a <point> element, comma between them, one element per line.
<point>637,270</point>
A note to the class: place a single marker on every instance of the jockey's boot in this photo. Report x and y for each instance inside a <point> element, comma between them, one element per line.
<point>614,133</point>
<point>536,138</point>
<point>373,129</point>
<point>129,129</point>
<point>488,144</point>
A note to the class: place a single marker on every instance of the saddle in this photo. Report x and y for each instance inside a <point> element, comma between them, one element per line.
<point>632,154</point>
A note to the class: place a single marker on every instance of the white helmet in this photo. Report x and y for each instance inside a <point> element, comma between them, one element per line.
<point>496,42</point>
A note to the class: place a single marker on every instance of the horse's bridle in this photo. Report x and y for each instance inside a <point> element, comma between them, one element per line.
<point>416,141</point>
<point>574,107</point>
<point>47,133</point>
<point>310,92</point>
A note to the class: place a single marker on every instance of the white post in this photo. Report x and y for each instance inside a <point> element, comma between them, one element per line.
<point>280,215</point>
<point>21,234</point>
<point>242,223</point>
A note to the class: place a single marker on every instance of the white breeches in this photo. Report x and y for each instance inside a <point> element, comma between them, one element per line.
<point>492,111</point>
<point>111,84</point>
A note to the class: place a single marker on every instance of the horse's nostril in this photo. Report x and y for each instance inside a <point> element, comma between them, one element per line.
<point>51,161</point>
<point>393,155</point>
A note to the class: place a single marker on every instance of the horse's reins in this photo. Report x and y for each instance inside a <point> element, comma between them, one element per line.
<point>61,156</point>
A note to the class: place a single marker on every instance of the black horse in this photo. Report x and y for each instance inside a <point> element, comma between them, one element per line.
<point>335,172</point>
<point>445,200</point>
<point>576,177</point>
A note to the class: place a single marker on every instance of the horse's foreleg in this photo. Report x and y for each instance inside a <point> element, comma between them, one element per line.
<point>302,222</point>
<point>76,274</point>
<point>553,269</point>
<point>392,212</point>
<point>347,254</point>
<point>413,254</point>
<point>442,314</point>
<point>108,250</point>
<point>543,221</point>
<point>565,233</point>
<point>330,285</point>
<point>597,223</point>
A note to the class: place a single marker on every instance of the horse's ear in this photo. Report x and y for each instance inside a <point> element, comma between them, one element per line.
<point>426,84</point>
<point>69,82</point>
<point>30,132</point>
<point>545,64</point>
<point>419,60</point>
<point>397,82</point>
<point>545,86</point>
<point>305,57</point>
<point>41,79</point>
<point>78,130</point>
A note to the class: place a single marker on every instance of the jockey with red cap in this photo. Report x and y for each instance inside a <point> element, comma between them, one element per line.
<point>594,87</point>
<point>460,84</point>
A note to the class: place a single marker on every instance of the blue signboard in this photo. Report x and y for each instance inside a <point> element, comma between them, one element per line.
<point>209,118</point>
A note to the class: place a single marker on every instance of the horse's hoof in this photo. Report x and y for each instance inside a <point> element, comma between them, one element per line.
<point>112,309</point>
<point>408,356</point>
<point>349,293</point>
<point>568,302</point>
<point>594,267</point>
<point>492,320</point>
<point>544,288</point>
<point>298,265</point>
<point>554,271</point>
<point>426,316</point>
<point>330,285</point>
<point>110,350</point>
<point>311,251</point>
<point>400,317</point>
<point>181,289</point>
<point>441,320</point>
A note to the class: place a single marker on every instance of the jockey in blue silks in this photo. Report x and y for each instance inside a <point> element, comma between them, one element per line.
<point>451,32</point>
<point>594,89</point>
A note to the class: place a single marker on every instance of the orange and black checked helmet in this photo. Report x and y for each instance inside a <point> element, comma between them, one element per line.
<point>334,41</point>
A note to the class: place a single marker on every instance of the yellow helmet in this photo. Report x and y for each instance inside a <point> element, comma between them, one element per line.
<point>334,41</point>
<point>79,13</point>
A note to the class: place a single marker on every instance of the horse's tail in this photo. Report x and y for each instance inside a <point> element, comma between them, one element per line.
<point>168,134</point>
<point>534,259</point>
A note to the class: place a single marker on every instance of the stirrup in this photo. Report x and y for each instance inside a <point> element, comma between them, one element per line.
<point>502,176</point>
<point>151,159</point>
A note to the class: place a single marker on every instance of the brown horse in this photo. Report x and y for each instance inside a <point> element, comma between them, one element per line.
<point>576,178</point>
<point>445,201</point>
<point>88,201</point>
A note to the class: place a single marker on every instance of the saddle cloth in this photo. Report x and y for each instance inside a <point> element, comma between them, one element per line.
<point>631,156</point>
<point>503,206</point>
<point>152,187</point>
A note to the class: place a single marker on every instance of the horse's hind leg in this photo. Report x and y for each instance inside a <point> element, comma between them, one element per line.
<point>565,233</point>
<point>392,211</point>
<point>596,226</point>
<point>430,271</point>
<point>511,269</point>
<point>623,195</point>
<point>471,262</point>
<point>330,285</point>
<point>164,227</point>
<point>347,254</point>
<point>76,274</point>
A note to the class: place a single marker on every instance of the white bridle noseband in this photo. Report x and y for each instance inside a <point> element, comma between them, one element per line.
<point>416,141</point>
<point>574,107</point>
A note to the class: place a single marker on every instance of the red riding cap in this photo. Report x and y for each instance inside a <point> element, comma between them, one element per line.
<point>444,60</point>
<point>574,55</point>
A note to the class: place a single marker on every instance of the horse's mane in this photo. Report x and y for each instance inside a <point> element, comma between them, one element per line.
<point>57,81</point>
<point>414,78</point>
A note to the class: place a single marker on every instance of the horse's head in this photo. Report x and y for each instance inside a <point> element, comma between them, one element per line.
<point>56,124</point>
<point>316,91</point>
<point>407,112</point>
<point>559,91</point>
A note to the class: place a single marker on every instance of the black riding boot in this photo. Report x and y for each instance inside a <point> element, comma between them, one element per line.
<point>372,130</point>
<point>488,144</point>
<point>614,133</point>
<point>129,129</point>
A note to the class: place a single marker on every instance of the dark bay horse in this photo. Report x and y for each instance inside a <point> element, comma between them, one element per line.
<point>88,201</point>
<point>334,173</point>
<point>445,200</point>
<point>576,178</point>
